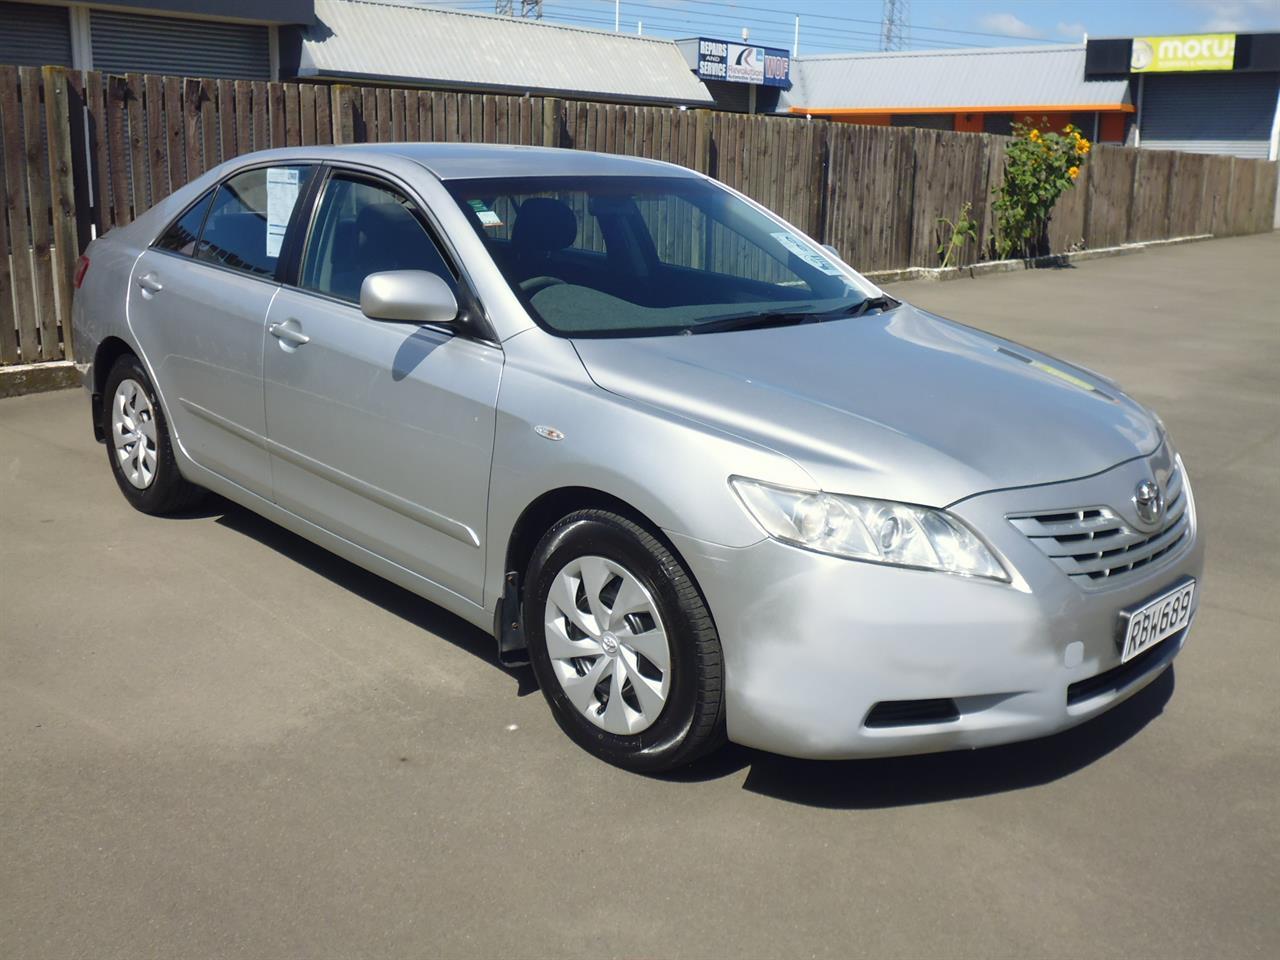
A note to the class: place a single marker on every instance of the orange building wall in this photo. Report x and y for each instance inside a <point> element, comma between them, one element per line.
<point>1111,129</point>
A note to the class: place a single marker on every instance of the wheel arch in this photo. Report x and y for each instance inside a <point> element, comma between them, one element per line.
<point>109,351</point>
<point>534,521</point>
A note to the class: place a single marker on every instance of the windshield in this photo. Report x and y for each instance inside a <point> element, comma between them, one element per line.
<point>624,256</point>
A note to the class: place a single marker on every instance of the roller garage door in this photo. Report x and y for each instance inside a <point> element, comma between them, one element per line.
<point>1227,113</point>
<point>32,36</point>
<point>188,48</point>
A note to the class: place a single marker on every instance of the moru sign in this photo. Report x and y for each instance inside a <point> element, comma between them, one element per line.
<point>1206,51</point>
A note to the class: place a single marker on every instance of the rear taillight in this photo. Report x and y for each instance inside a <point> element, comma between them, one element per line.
<point>82,267</point>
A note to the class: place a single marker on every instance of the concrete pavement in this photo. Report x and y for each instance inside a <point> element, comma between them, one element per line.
<point>217,740</point>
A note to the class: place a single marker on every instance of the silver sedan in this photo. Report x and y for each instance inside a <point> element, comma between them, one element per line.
<point>706,478</point>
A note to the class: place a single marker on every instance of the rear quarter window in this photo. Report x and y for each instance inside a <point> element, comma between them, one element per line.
<point>183,233</point>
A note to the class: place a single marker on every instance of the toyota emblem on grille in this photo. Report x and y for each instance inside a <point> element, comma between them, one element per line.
<point>1149,501</point>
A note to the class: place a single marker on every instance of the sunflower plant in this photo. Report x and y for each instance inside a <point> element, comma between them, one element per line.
<point>1039,167</point>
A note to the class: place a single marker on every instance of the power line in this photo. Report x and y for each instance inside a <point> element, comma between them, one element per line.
<point>778,32</point>
<point>782,28</point>
<point>830,17</point>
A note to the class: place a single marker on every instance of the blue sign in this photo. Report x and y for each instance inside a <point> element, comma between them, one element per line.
<point>743,63</point>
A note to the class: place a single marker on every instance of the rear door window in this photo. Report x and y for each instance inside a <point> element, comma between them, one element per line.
<point>246,223</point>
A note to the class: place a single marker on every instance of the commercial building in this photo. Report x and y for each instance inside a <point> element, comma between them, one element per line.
<point>411,45</point>
<point>1209,93</point>
<point>1213,93</point>
<point>970,90</point>
<point>201,38</point>
<point>369,41</point>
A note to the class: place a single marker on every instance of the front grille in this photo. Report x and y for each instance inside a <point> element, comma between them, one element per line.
<point>1095,543</point>
<point>910,713</point>
<point>1117,678</point>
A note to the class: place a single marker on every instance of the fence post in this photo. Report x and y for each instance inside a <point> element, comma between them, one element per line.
<point>552,121</point>
<point>702,140</point>
<point>58,119</point>
<point>343,113</point>
<point>817,225</point>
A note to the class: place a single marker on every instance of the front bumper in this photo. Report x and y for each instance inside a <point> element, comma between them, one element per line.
<point>813,643</point>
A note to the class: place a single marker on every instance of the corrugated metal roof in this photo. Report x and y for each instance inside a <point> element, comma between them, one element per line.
<point>1012,76</point>
<point>447,48</point>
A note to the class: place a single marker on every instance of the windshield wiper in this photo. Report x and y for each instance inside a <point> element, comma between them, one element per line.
<point>781,318</point>
<point>751,321</point>
<point>872,303</point>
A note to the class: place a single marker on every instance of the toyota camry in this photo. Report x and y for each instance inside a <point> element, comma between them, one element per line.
<point>706,478</point>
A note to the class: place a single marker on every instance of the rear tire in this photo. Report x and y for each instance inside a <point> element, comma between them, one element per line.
<point>138,443</point>
<point>623,644</point>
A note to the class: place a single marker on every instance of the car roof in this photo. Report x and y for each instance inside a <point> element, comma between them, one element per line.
<point>469,161</point>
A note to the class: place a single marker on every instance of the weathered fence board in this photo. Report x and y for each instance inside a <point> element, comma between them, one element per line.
<point>19,214</point>
<point>62,207</point>
<point>36,162</point>
<point>117,145</point>
<point>8,319</point>
<point>1111,194</point>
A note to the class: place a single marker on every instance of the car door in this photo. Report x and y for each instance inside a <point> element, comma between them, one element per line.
<point>198,300</point>
<point>380,431</point>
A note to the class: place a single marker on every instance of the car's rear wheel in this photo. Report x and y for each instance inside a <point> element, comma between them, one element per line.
<point>622,643</point>
<point>138,443</point>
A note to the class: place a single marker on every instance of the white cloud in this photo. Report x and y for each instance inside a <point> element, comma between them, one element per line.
<point>1071,31</point>
<point>1228,16</point>
<point>1009,25</point>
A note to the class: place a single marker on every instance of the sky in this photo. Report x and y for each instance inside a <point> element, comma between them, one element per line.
<point>846,26</point>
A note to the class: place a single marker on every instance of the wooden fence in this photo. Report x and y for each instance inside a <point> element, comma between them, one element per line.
<point>83,152</point>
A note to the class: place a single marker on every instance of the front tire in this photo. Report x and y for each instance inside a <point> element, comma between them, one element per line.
<point>623,644</point>
<point>138,443</point>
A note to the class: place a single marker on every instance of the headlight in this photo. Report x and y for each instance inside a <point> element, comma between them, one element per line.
<point>880,531</point>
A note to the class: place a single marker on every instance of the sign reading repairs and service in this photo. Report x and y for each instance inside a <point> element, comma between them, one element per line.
<point>742,63</point>
<point>1204,51</point>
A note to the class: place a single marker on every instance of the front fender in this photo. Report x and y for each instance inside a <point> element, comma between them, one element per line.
<point>671,469</point>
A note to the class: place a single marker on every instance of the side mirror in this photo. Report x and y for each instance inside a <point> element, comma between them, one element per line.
<point>411,296</point>
<point>833,251</point>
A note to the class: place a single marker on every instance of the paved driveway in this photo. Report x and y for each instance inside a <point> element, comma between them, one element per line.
<point>215,739</point>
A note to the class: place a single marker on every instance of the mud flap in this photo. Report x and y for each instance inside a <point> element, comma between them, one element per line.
<point>513,651</point>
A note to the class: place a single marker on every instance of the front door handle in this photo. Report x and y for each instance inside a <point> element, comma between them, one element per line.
<point>288,332</point>
<point>149,284</point>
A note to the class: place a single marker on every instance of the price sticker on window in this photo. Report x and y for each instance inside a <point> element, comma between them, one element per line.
<point>814,259</point>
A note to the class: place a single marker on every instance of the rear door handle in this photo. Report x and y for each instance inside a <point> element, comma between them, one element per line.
<point>289,334</point>
<point>150,284</point>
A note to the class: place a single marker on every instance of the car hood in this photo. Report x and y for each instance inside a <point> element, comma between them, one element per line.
<point>899,405</point>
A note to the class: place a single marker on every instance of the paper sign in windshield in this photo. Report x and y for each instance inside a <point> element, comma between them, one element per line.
<point>811,257</point>
<point>282,194</point>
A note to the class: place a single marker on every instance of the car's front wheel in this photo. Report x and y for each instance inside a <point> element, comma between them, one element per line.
<point>138,443</point>
<point>622,643</point>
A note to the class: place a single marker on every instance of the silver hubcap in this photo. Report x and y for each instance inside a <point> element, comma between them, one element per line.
<point>607,645</point>
<point>133,433</point>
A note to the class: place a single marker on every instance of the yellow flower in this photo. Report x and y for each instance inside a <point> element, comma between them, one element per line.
<point>1069,129</point>
<point>1073,172</point>
<point>1083,147</point>
<point>1035,134</point>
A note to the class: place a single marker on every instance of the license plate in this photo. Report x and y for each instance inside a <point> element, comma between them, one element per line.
<point>1155,620</point>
